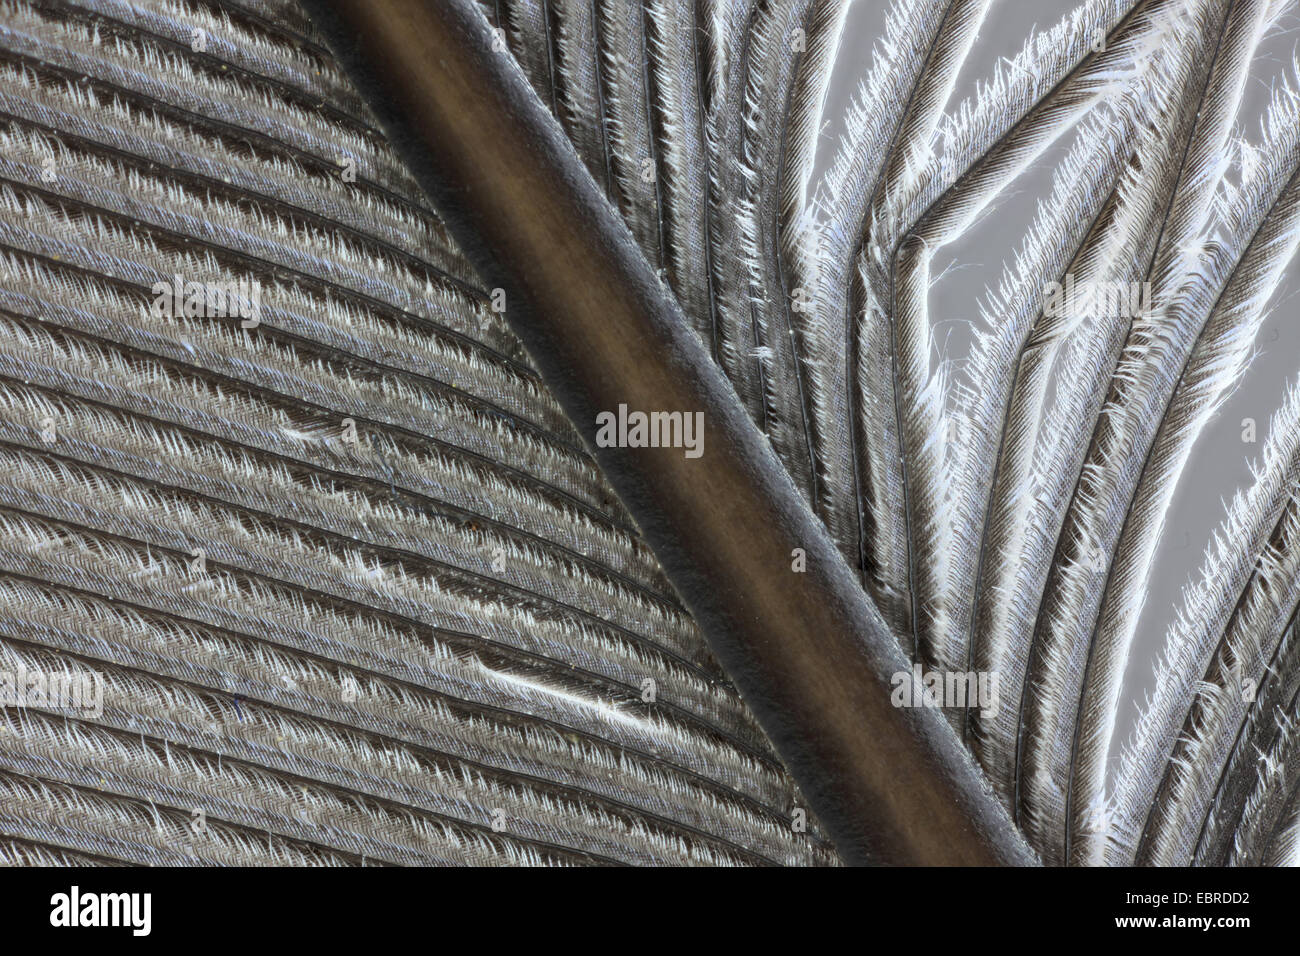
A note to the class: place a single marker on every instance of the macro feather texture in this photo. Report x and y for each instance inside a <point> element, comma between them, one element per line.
<point>355,591</point>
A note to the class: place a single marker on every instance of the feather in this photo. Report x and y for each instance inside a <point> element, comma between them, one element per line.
<point>1221,353</point>
<point>680,116</point>
<point>1229,629</point>
<point>1068,357</point>
<point>1085,180</point>
<point>922,385</point>
<point>527,25</point>
<point>580,86</point>
<point>457,563</point>
<point>1285,848</point>
<point>389,641</point>
<point>1086,540</point>
<point>848,340</point>
<point>635,159</point>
